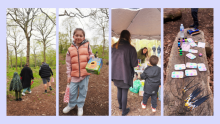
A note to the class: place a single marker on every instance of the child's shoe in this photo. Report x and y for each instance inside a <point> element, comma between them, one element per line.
<point>17,100</point>
<point>23,94</point>
<point>153,109</point>
<point>50,88</point>
<point>45,91</point>
<point>67,109</point>
<point>80,111</point>
<point>20,99</point>
<point>143,106</point>
<point>29,92</point>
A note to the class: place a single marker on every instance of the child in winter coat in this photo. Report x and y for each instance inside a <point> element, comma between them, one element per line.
<point>77,57</point>
<point>152,78</point>
<point>16,86</point>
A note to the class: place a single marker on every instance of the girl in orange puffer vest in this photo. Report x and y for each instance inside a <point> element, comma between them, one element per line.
<point>77,57</point>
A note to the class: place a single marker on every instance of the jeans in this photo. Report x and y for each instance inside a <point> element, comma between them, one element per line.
<point>83,88</point>
<point>28,88</point>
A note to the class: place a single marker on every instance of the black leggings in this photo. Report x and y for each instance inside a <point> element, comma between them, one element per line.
<point>122,98</point>
<point>194,12</point>
<point>17,94</point>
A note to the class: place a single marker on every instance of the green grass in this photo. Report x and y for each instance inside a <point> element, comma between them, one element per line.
<point>37,78</point>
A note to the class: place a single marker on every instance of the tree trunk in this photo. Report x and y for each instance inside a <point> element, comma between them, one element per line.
<point>28,48</point>
<point>103,30</point>
<point>35,59</point>
<point>7,56</point>
<point>174,97</point>
<point>21,61</point>
<point>44,52</point>
<point>11,62</point>
<point>16,58</point>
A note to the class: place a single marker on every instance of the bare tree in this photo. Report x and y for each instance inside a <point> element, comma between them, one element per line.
<point>24,18</point>
<point>35,48</point>
<point>10,55</point>
<point>69,25</point>
<point>21,55</point>
<point>17,41</point>
<point>45,28</point>
<point>100,23</point>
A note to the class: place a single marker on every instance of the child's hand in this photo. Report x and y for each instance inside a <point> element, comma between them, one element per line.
<point>68,80</point>
<point>91,57</point>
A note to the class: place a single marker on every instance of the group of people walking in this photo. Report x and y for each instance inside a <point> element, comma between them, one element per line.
<point>26,79</point>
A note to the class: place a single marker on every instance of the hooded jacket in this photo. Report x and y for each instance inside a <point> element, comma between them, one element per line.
<point>45,71</point>
<point>124,59</point>
<point>152,78</point>
<point>79,58</point>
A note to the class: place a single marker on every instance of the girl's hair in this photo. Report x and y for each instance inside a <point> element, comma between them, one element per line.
<point>125,34</point>
<point>146,54</point>
<point>79,29</point>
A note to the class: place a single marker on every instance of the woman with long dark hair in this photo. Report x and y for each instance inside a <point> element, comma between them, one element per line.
<point>142,54</point>
<point>124,59</point>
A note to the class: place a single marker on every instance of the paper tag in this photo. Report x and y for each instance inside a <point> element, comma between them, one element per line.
<point>201,44</point>
<point>185,47</point>
<point>177,74</point>
<point>179,66</point>
<point>201,67</point>
<point>191,56</point>
<point>190,40</point>
<point>190,72</point>
<point>191,65</point>
<point>193,44</point>
<point>193,51</point>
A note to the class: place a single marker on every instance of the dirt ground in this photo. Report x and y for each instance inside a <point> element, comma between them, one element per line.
<point>37,103</point>
<point>171,28</point>
<point>97,96</point>
<point>134,103</point>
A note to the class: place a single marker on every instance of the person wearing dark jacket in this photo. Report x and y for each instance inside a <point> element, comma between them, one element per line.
<point>26,76</point>
<point>152,77</point>
<point>45,73</point>
<point>142,54</point>
<point>124,59</point>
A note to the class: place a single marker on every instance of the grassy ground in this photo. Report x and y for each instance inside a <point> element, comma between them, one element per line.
<point>37,78</point>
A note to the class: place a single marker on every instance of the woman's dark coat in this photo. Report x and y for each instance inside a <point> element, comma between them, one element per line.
<point>27,75</point>
<point>124,59</point>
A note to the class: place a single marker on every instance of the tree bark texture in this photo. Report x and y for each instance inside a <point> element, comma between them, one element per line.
<point>173,95</point>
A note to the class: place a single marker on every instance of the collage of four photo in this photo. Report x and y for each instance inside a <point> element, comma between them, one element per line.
<point>133,63</point>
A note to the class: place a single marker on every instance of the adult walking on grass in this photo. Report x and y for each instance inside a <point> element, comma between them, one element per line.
<point>26,76</point>
<point>124,59</point>
<point>45,73</point>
